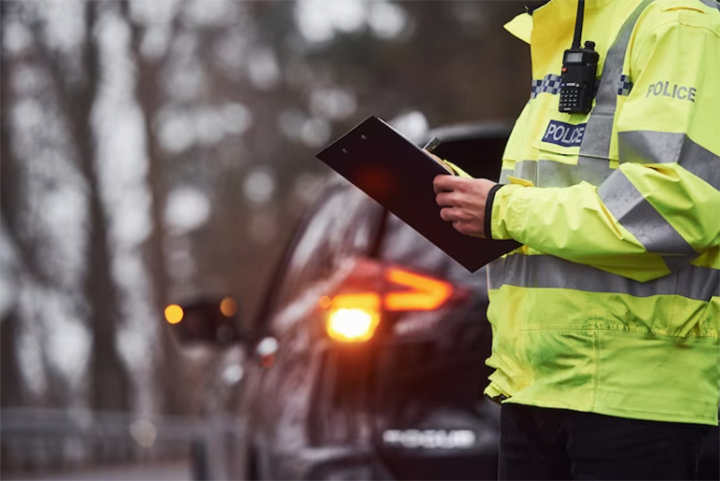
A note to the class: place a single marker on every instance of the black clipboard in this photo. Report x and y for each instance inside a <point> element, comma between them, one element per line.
<point>399,175</point>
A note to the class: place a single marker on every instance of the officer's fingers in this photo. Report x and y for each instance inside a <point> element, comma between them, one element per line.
<point>446,199</point>
<point>470,186</point>
<point>444,183</point>
<point>449,214</point>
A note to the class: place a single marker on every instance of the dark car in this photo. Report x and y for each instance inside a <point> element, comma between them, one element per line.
<point>367,358</point>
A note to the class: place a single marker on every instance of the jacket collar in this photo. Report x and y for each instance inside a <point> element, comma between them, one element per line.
<point>522,25</point>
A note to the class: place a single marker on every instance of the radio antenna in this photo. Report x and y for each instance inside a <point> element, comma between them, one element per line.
<point>577,41</point>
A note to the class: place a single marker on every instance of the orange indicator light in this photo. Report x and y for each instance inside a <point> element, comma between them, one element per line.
<point>355,317</point>
<point>174,314</point>
<point>228,307</point>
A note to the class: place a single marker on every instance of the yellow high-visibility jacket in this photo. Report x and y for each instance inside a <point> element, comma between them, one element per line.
<point>612,305</point>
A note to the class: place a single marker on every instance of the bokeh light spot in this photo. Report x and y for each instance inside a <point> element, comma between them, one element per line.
<point>325,302</point>
<point>228,307</point>
<point>174,313</point>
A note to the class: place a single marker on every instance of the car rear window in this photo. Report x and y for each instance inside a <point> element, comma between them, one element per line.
<point>340,226</point>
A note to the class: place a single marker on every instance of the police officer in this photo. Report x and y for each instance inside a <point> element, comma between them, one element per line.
<point>606,321</point>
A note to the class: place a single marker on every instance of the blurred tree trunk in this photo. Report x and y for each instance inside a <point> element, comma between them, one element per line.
<point>109,380</point>
<point>10,394</point>
<point>110,385</point>
<point>169,366</point>
<point>10,384</point>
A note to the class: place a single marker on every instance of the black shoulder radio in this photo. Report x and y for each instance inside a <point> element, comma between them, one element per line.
<point>577,85</point>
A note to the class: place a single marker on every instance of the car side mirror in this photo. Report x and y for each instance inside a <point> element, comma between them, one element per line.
<point>207,320</point>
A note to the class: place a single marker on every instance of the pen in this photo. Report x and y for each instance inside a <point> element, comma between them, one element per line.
<point>430,146</point>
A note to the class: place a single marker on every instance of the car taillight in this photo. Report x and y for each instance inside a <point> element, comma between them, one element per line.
<point>354,316</point>
<point>424,294</point>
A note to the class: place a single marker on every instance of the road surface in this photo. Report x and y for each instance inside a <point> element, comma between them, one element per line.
<point>150,472</point>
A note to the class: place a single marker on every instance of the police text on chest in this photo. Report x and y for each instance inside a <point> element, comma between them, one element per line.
<point>565,135</point>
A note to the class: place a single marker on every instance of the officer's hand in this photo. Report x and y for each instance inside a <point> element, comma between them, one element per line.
<point>463,202</point>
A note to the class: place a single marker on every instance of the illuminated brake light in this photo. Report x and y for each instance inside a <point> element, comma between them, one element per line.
<point>353,317</point>
<point>427,294</point>
<point>352,325</point>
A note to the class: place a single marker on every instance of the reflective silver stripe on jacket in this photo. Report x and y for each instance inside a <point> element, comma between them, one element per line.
<point>596,141</point>
<point>640,218</point>
<point>634,212</point>
<point>548,173</point>
<point>648,147</point>
<point>504,175</point>
<point>550,272</point>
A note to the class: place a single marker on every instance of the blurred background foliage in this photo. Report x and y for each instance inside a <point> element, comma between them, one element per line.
<point>157,150</point>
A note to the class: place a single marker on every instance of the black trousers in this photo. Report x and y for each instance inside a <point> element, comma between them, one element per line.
<point>542,443</point>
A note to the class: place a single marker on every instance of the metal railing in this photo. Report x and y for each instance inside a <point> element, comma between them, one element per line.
<point>39,440</point>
